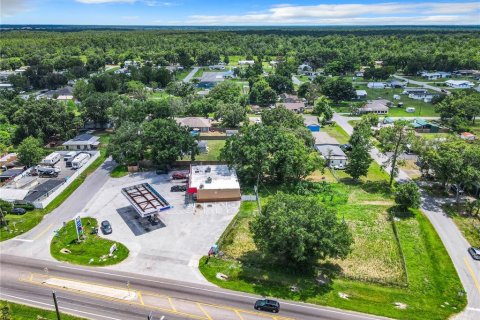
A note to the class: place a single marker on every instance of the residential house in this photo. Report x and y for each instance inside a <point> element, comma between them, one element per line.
<point>444,74</point>
<point>465,73</point>
<point>304,68</point>
<point>217,67</point>
<point>361,94</point>
<point>330,149</point>
<point>376,85</point>
<point>6,86</point>
<point>311,122</point>
<point>359,73</point>
<point>289,98</point>
<point>197,123</point>
<point>131,63</point>
<point>459,84</point>
<point>297,107</point>
<point>82,142</point>
<point>378,63</point>
<point>246,62</point>
<point>379,106</point>
<point>431,75</point>
<point>211,79</point>
<point>64,94</point>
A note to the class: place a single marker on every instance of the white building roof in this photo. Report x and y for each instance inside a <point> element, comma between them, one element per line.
<point>8,194</point>
<point>459,82</point>
<point>219,177</point>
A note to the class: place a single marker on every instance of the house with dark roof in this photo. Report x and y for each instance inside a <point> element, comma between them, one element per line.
<point>379,106</point>
<point>329,148</point>
<point>197,123</point>
<point>297,107</point>
<point>82,142</point>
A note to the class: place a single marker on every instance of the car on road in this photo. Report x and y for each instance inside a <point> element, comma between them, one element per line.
<point>106,227</point>
<point>179,176</point>
<point>178,188</point>
<point>18,211</point>
<point>474,252</point>
<point>267,305</point>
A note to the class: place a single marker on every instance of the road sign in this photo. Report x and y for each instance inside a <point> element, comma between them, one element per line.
<point>78,227</point>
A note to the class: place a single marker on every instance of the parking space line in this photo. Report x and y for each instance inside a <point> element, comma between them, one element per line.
<point>43,232</point>
<point>238,314</point>
<point>475,280</point>
<point>204,311</point>
<point>171,304</point>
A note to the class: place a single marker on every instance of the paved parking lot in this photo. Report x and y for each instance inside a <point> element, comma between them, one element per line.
<point>171,249</point>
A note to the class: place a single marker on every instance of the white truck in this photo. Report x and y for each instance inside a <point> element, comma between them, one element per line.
<point>51,159</point>
<point>80,160</point>
<point>47,170</point>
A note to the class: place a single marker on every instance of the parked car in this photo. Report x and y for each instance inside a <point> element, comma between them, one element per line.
<point>18,211</point>
<point>267,305</point>
<point>178,188</point>
<point>340,166</point>
<point>179,176</point>
<point>346,147</point>
<point>161,171</point>
<point>474,252</point>
<point>106,227</point>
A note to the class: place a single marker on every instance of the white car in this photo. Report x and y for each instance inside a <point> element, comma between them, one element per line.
<point>340,166</point>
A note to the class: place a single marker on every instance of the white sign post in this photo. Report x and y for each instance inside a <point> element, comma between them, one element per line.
<point>112,249</point>
<point>78,227</point>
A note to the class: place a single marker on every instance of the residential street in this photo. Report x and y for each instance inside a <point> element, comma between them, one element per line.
<point>191,74</point>
<point>456,245</point>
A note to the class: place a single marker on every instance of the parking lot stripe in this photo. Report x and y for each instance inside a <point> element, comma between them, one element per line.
<point>475,280</point>
<point>204,311</point>
<point>171,304</point>
<point>43,232</point>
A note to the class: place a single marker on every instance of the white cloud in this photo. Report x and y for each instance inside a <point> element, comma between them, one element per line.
<point>392,13</point>
<point>9,8</point>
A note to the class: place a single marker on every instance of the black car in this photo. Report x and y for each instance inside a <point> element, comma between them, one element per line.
<point>346,147</point>
<point>106,227</point>
<point>474,252</point>
<point>18,211</point>
<point>267,305</point>
<point>178,188</point>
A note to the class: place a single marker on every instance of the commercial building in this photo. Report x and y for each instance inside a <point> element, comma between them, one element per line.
<point>213,183</point>
<point>82,142</point>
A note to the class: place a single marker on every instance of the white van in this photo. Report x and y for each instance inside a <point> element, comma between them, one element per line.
<point>52,158</point>
<point>410,109</point>
<point>80,160</point>
<point>69,155</point>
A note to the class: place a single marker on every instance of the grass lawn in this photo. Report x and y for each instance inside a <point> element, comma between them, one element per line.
<point>336,132</point>
<point>373,275</point>
<point>180,75</point>
<point>213,154</point>
<point>23,312</point>
<point>468,225</point>
<point>158,95</point>
<point>91,247</point>
<point>119,171</point>
<point>199,72</point>
<point>422,109</point>
<point>21,224</point>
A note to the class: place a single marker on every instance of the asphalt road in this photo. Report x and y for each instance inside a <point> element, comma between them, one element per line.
<point>453,240</point>
<point>191,74</point>
<point>189,301</point>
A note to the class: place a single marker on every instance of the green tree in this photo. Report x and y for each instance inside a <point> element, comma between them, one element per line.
<point>262,94</point>
<point>280,84</point>
<point>300,231</point>
<point>359,159</point>
<point>407,195</point>
<point>338,89</point>
<point>231,114</point>
<point>395,140</point>
<point>323,109</point>
<point>166,141</point>
<point>96,107</point>
<point>227,92</point>
<point>126,144</point>
<point>30,151</point>
<point>136,89</point>
<point>281,117</point>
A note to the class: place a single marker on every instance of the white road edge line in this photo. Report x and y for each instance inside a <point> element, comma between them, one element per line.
<point>64,308</point>
<point>23,240</point>
<point>303,305</point>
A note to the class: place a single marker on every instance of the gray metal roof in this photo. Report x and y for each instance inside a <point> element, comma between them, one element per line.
<point>43,189</point>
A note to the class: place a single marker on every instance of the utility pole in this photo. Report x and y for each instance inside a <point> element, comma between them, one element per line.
<point>56,304</point>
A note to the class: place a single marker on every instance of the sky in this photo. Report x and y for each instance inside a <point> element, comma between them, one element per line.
<point>240,12</point>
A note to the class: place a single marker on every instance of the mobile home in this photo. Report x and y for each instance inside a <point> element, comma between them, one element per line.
<point>51,159</point>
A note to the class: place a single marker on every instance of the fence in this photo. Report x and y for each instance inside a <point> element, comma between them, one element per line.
<point>45,202</point>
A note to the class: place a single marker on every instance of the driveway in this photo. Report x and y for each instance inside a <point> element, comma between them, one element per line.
<point>468,270</point>
<point>189,76</point>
